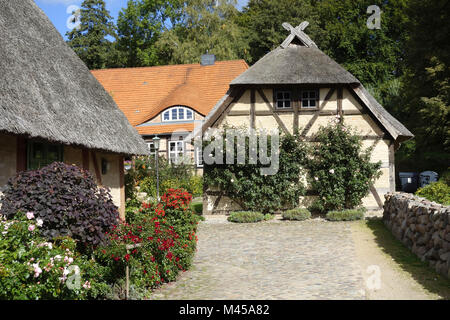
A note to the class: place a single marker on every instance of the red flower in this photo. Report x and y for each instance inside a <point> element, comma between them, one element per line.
<point>127,257</point>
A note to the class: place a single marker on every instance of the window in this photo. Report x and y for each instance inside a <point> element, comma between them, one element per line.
<point>310,98</point>
<point>283,99</point>
<point>151,147</point>
<point>199,157</point>
<point>41,154</point>
<point>176,151</point>
<point>178,114</point>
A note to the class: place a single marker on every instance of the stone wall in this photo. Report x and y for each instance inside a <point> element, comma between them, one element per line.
<point>423,226</point>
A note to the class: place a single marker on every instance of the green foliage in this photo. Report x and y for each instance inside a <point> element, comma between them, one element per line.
<point>31,268</point>
<point>436,191</point>
<point>90,42</point>
<point>197,208</point>
<point>143,175</point>
<point>346,215</point>
<point>158,244</point>
<point>254,191</point>
<point>299,214</point>
<point>205,26</point>
<point>246,217</point>
<point>340,171</point>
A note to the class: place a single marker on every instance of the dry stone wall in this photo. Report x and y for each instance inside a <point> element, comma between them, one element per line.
<point>423,226</point>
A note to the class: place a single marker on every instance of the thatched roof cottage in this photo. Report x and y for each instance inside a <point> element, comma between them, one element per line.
<point>52,108</point>
<point>298,87</point>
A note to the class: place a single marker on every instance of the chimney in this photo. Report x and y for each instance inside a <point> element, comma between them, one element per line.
<point>208,59</point>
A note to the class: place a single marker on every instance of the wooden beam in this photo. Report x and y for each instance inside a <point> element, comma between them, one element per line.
<point>233,95</point>
<point>375,194</point>
<point>85,156</point>
<point>252,108</point>
<point>98,174</point>
<point>122,188</point>
<point>21,154</point>
<point>340,95</point>
<point>392,166</point>
<point>317,113</point>
<point>277,118</point>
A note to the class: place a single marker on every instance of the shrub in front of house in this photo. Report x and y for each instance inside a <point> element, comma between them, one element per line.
<point>33,268</point>
<point>346,215</point>
<point>436,191</point>
<point>161,243</point>
<point>246,217</point>
<point>340,170</point>
<point>299,214</point>
<point>66,198</point>
<point>249,187</point>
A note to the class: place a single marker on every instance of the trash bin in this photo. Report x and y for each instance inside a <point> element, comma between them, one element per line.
<point>427,177</point>
<point>409,181</point>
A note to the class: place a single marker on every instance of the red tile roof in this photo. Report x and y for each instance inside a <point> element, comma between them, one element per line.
<point>165,129</point>
<point>142,93</point>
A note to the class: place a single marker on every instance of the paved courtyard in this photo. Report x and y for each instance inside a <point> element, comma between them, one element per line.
<point>312,259</point>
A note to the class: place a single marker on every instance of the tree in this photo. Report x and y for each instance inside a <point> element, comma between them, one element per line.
<point>425,96</point>
<point>90,41</point>
<point>204,26</point>
<point>140,25</point>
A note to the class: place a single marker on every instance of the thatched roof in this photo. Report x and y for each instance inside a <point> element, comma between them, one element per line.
<point>299,61</point>
<point>295,64</point>
<point>47,92</point>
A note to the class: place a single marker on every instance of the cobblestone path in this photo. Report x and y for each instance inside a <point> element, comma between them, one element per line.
<point>277,259</point>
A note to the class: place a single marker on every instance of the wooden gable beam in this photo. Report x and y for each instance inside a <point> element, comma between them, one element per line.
<point>277,118</point>
<point>316,115</point>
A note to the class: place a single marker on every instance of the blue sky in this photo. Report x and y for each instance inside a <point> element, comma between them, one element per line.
<point>56,10</point>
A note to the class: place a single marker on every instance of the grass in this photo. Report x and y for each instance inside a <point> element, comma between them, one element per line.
<point>408,261</point>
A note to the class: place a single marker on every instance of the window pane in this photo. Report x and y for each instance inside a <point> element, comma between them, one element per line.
<point>52,154</point>
<point>312,103</point>
<point>312,94</point>
<point>172,146</point>
<point>287,104</point>
<point>287,95</point>
<point>189,115</point>
<point>305,103</point>
<point>166,115</point>
<point>174,114</point>
<point>305,95</point>
<point>181,114</point>
<point>279,95</point>
<point>280,104</point>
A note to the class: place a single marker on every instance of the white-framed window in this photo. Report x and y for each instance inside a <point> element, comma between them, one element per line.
<point>199,157</point>
<point>310,98</point>
<point>151,147</point>
<point>283,99</point>
<point>177,113</point>
<point>176,151</point>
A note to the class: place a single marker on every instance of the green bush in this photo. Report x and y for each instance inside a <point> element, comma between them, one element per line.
<point>33,268</point>
<point>346,215</point>
<point>195,186</point>
<point>436,191</point>
<point>340,171</point>
<point>254,191</point>
<point>246,217</point>
<point>299,214</point>
<point>197,207</point>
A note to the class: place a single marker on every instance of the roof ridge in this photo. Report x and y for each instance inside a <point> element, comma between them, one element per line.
<point>171,65</point>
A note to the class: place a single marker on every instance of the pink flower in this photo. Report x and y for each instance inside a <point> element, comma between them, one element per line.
<point>30,215</point>
<point>31,227</point>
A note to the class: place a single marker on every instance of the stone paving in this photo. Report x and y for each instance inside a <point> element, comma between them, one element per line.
<point>312,259</point>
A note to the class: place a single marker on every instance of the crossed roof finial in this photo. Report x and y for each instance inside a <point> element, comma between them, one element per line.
<point>297,32</point>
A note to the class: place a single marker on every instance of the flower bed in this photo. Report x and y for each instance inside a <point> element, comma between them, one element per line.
<point>157,246</point>
<point>299,214</point>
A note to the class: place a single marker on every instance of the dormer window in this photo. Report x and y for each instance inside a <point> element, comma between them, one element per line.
<point>283,99</point>
<point>178,113</point>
